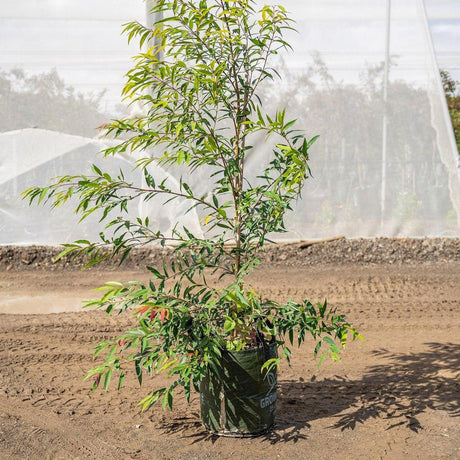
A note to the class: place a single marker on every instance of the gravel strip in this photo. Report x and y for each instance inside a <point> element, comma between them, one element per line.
<point>338,251</point>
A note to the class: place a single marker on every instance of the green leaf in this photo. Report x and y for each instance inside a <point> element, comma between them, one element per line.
<point>165,400</point>
<point>108,376</point>
<point>168,365</point>
<point>64,253</point>
<point>317,348</point>
<point>120,380</point>
<point>138,368</point>
<point>330,341</point>
<point>312,141</point>
<point>289,125</point>
<point>270,364</point>
<point>155,272</point>
<point>321,359</point>
<point>229,325</point>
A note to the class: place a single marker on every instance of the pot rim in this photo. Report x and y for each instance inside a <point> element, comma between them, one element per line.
<point>248,350</point>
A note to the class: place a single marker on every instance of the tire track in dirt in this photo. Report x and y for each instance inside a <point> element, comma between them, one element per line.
<point>378,293</point>
<point>48,411</point>
<point>48,436</point>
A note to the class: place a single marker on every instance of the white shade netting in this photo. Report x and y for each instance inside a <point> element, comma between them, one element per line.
<point>386,163</point>
<point>31,157</point>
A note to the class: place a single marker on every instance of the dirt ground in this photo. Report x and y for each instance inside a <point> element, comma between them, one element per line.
<point>395,396</point>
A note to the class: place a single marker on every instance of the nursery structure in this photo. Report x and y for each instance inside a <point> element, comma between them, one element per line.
<point>364,76</point>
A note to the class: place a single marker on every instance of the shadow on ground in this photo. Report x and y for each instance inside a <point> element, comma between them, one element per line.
<point>399,390</point>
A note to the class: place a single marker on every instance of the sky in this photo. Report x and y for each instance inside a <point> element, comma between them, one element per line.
<point>81,38</point>
<point>444,22</point>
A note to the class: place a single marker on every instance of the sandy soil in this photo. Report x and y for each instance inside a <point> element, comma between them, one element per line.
<point>396,396</point>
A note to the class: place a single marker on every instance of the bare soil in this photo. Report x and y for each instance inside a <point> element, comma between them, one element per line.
<point>395,396</point>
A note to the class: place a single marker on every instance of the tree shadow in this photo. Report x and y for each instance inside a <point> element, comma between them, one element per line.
<point>399,391</point>
<point>194,430</point>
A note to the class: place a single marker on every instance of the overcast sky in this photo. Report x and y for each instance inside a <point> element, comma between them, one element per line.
<point>81,38</point>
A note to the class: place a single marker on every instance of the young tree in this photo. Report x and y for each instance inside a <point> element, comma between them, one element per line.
<point>198,86</point>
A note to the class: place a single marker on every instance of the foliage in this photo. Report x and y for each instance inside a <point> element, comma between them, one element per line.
<point>45,101</point>
<point>452,91</point>
<point>198,86</point>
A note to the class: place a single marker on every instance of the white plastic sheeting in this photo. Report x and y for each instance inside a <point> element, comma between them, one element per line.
<point>31,157</point>
<point>333,83</point>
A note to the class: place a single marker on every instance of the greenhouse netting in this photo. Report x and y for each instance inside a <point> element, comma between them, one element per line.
<point>363,75</point>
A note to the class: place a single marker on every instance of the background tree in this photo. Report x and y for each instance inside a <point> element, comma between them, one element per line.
<point>452,90</point>
<point>45,101</point>
<point>347,157</point>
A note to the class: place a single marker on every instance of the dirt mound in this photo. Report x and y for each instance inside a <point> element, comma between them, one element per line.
<point>337,251</point>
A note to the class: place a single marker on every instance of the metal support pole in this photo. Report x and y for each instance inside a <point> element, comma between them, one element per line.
<point>385,115</point>
<point>152,18</point>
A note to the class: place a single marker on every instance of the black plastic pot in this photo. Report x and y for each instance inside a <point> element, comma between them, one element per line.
<point>238,399</point>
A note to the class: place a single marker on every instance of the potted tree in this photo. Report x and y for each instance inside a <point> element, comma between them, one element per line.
<point>197,86</point>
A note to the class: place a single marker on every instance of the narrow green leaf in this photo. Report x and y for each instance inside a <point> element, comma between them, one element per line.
<point>138,368</point>
<point>120,380</point>
<point>108,376</point>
